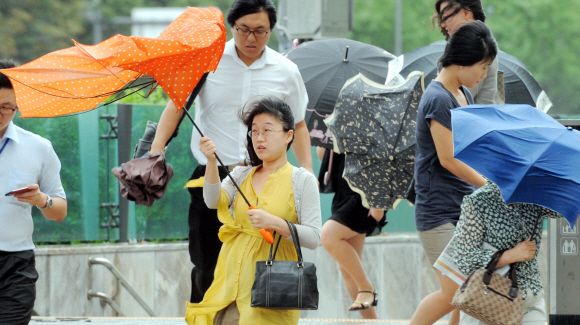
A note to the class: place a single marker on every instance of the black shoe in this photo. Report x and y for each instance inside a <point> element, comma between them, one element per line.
<point>365,304</point>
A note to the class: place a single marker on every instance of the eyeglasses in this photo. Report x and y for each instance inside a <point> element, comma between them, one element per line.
<point>266,133</point>
<point>247,32</point>
<point>8,111</point>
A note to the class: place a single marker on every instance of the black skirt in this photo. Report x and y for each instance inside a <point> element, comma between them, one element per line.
<point>347,208</point>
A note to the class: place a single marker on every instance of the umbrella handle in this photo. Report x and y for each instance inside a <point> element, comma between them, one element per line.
<point>266,234</point>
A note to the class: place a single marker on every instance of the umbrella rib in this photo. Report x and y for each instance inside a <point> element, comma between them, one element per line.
<point>530,165</point>
<point>143,86</point>
<point>406,112</point>
<point>77,44</point>
<point>107,94</point>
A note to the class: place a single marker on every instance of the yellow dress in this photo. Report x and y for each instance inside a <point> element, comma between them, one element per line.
<point>242,247</point>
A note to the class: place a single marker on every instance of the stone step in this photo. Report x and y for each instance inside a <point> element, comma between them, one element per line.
<point>42,320</point>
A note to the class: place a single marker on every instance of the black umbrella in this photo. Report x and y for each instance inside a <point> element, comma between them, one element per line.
<point>374,125</point>
<point>325,66</point>
<point>519,84</point>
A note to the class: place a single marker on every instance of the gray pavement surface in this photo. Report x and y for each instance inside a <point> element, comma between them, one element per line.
<point>39,320</point>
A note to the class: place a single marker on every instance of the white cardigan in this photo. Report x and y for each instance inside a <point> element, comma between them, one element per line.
<point>306,200</point>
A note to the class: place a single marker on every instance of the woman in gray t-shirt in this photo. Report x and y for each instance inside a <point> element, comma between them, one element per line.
<point>441,181</point>
<point>451,14</point>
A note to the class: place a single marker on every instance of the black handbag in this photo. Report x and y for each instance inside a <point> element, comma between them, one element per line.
<point>285,284</point>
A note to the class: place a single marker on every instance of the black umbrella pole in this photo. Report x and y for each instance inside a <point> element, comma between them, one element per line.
<point>219,160</point>
<point>266,234</point>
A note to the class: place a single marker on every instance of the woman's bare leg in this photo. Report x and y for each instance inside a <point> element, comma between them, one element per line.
<point>437,304</point>
<point>345,246</point>
<point>454,317</point>
<point>357,242</point>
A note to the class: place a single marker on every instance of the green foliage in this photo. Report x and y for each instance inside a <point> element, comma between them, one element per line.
<point>157,97</point>
<point>33,28</point>
<point>544,35</point>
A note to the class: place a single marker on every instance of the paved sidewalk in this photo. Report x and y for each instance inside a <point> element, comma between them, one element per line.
<point>39,320</point>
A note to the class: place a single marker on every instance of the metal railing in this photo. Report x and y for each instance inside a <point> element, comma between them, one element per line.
<point>106,299</point>
<point>121,278</point>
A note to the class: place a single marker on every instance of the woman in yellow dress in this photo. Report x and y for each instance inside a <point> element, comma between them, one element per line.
<point>278,191</point>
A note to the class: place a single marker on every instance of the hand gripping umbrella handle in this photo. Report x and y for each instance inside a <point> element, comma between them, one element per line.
<point>266,234</point>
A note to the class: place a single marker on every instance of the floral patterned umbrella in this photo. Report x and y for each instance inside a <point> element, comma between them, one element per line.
<point>79,78</point>
<point>374,125</point>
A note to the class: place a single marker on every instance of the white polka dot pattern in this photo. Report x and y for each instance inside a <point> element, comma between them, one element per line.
<point>79,78</point>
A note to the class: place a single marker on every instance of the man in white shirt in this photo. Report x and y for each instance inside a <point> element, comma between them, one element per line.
<point>27,162</point>
<point>247,70</point>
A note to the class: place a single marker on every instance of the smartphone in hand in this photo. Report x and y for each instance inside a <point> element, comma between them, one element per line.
<point>18,191</point>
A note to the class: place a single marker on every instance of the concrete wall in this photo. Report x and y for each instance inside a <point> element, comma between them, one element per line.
<point>160,273</point>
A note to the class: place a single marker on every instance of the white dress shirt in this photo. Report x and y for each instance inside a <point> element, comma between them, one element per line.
<point>218,105</point>
<point>27,159</point>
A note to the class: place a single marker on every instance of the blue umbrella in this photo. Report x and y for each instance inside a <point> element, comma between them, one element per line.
<point>528,154</point>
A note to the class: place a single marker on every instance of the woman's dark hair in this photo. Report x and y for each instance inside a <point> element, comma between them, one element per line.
<point>241,8</point>
<point>470,44</point>
<point>4,80</point>
<point>452,8</point>
<point>266,105</point>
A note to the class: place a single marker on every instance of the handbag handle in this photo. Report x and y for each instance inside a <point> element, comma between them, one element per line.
<point>492,265</point>
<point>296,240</point>
<point>270,257</point>
<point>294,234</point>
<point>490,268</point>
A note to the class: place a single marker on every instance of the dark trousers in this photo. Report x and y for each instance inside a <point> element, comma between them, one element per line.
<point>204,244</point>
<point>17,287</point>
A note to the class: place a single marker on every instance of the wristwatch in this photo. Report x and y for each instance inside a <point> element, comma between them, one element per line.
<point>48,203</point>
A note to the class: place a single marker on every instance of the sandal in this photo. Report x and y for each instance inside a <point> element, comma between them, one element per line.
<point>365,304</point>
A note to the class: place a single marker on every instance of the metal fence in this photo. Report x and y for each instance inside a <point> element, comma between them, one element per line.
<point>87,147</point>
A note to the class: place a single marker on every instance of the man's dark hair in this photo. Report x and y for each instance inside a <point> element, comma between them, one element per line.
<point>274,107</point>
<point>241,8</point>
<point>453,7</point>
<point>470,44</point>
<point>5,81</point>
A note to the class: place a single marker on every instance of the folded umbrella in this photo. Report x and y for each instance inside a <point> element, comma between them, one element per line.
<point>528,154</point>
<point>374,125</point>
<point>144,180</point>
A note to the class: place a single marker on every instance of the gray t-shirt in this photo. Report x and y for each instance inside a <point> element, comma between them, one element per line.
<point>439,192</point>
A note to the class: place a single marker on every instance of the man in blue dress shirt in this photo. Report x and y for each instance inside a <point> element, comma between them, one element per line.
<point>29,164</point>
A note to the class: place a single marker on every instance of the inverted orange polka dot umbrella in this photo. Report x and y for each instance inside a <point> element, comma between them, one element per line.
<point>81,77</point>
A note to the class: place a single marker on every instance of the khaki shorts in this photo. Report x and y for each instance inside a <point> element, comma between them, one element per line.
<point>435,240</point>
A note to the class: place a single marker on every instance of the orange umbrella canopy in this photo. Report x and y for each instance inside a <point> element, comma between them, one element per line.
<point>79,78</point>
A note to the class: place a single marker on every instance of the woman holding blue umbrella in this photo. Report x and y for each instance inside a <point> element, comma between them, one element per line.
<point>441,181</point>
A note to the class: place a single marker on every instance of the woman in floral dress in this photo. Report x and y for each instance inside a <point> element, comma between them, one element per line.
<point>515,228</point>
